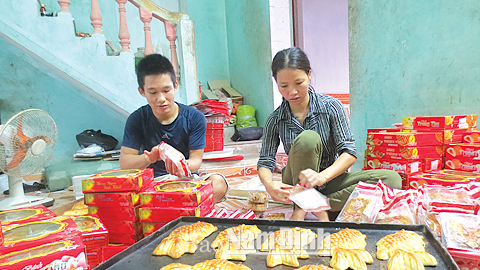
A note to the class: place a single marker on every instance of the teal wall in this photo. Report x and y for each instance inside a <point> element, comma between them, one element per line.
<point>27,82</point>
<point>210,39</point>
<point>412,58</point>
<point>249,53</point>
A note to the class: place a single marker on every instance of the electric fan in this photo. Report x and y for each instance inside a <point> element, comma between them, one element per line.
<point>26,143</point>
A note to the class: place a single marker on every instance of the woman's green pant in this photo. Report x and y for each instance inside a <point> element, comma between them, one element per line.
<point>306,153</point>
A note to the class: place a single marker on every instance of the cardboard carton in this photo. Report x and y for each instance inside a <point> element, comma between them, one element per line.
<point>26,214</point>
<point>461,164</point>
<point>226,89</point>
<point>175,193</point>
<point>462,151</point>
<point>123,226</point>
<point>118,180</point>
<point>37,233</point>
<point>470,175</point>
<point>112,250</point>
<point>381,130</point>
<point>404,153</point>
<point>421,179</point>
<point>471,137</point>
<point>61,254</point>
<point>112,199</point>
<point>396,139</point>
<point>440,122</point>
<point>94,232</point>
<point>167,214</point>
<point>124,238</point>
<point>151,227</point>
<point>94,257</point>
<point>114,213</point>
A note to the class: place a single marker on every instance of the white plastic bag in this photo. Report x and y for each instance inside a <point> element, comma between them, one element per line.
<point>168,152</point>
<point>309,199</point>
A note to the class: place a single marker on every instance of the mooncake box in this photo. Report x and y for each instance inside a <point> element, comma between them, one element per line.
<point>118,180</point>
<point>94,231</point>
<point>176,193</point>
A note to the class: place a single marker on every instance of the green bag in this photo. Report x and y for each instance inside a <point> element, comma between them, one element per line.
<point>246,117</point>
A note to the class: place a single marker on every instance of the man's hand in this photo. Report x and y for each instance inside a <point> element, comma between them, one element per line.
<point>279,191</point>
<point>310,178</point>
<point>154,155</point>
<point>172,168</point>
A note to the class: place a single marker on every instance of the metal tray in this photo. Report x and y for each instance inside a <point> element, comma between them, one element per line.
<point>139,256</point>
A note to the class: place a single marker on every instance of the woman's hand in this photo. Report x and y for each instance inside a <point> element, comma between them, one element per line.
<point>279,191</point>
<point>310,178</point>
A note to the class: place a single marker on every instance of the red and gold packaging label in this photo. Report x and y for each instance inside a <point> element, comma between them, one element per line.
<point>111,250</point>
<point>175,193</point>
<point>462,164</point>
<point>151,227</point>
<point>114,213</point>
<point>112,199</point>
<point>94,232</point>
<point>471,137</point>
<point>405,139</point>
<point>404,153</point>
<point>118,180</point>
<point>94,257</point>
<point>62,254</point>
<point>123,226</point>
<point>167,214</point>
<point>465,151</point>
<point>470,175</point>
<point>440,122</point>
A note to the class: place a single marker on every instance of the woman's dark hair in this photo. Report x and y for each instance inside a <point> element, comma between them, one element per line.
<point>154,64</point>
<point>291,58</point>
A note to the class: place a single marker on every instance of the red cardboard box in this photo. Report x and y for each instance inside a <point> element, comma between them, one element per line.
<point>94,232</point>
<point>462,151</point>
<point>405,166</point>
<point>421,179</point>
<point>471,137</point>
<point>167,214</point>
<point>112,199</point>
<point>467,165</point>
<point>446,136</point>
<point>389,129</point>
<point>404,153</point>
<point>151,227</point>
<point>440,122</point>
<point>175,193</point>
<point>124,238</point>
<point>118,180</point>
<point>470,175</point>
<point>405,139</point>
<point>94,257</point>
<point>62,254</point>
<point>123,226</point>
<point>114,213</point>
<point>36,233</point>
<point>26,214</point>
<point>112,250</point>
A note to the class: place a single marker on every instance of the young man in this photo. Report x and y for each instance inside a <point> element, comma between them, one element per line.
<point>164,120</point>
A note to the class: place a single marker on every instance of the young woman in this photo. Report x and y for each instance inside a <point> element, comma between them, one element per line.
<point>316,136</point>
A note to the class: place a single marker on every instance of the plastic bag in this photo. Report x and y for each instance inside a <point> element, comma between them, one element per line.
<point>247,134</point>
<point>168,152</point>
<point>90,136</point>
<point>362,205</point>
<point>246,116</point>
<point>309,199</point>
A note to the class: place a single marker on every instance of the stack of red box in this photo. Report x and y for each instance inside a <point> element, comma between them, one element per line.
<point>162,202</point>
<point>94,236</point>
<point>463,157</point>
<point>404,152</point>
<point>35,243</point>
<point>113,196</point>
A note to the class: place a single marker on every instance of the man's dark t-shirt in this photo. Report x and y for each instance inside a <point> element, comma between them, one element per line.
<point>143,131</point>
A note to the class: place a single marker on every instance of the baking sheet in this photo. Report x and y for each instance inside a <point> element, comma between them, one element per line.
<point>139,256</point>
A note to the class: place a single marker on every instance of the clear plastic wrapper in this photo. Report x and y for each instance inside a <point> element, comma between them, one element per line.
<point>362,205</point>
<point>399,213</point>
<point>309,199</point>
<point>258,196</point>
<point>168,152</point>
<point>461,231</point>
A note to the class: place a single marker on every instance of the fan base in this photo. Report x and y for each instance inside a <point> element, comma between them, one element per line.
<point>25,201</point>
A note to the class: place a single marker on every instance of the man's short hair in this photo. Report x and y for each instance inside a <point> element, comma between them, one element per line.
<point>154,64</point>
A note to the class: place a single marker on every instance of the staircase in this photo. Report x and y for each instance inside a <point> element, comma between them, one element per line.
<point>85,59</point>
